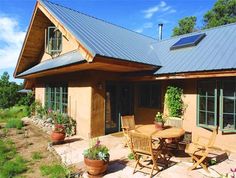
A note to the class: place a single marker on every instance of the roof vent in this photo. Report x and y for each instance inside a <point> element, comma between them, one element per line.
<point>188,41</point>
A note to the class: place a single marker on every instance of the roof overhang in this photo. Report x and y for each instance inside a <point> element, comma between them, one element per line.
<point>62,65</point>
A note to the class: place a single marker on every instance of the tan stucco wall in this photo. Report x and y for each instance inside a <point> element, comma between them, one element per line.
<point>80,107</point>
<point>40,94</point>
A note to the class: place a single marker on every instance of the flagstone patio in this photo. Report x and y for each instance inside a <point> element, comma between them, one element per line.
<point>120,166</point>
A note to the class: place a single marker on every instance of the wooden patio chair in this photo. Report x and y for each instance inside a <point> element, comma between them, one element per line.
<point>200,149</point>
<point>127,124</point>
<point>141,147</point>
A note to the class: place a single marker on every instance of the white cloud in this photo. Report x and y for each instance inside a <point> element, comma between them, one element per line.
<point>11,39</point>
<point>144,26</point>
<point>139,30</point>
<point>161,7</point>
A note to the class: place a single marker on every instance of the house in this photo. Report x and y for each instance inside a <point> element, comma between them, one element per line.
<point>97,71</point>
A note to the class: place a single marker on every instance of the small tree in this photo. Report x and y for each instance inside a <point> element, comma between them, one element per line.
<point>174,102</point>
<point>185,25</point>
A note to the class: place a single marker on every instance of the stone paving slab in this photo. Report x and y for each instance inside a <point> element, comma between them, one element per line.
<point>121,167</point>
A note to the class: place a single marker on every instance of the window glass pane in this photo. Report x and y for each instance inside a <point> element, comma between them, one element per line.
<point>202,117</point>
<point>228,122</point>
<point>228,104</point>
<point>211,104</point>
<point>210,119</point>
<point>202,103</point>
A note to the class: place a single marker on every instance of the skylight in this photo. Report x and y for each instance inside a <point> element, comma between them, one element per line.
<point>188,41</point>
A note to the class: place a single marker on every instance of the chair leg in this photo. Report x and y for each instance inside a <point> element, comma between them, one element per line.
<point>199,162</point>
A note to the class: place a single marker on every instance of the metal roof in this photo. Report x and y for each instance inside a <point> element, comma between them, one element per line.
<point>61,61</point>
<point>104,38</point>
<point>217,51</point>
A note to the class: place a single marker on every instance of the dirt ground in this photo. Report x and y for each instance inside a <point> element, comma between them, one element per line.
<point>29,140</point>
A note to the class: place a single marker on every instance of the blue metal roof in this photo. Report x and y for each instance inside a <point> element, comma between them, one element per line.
<point>63,60</point>
<point>104,38</point>
<point>217,51</point>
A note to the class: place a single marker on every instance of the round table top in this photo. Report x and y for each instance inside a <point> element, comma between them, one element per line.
<point>167,132</point>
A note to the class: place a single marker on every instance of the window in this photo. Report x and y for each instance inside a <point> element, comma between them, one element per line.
<point>150,95</point>
<point>217,104</point>
<point>56,98</point>
<point>228,105</point>
<point>53,41</point>
<point>207,100</point>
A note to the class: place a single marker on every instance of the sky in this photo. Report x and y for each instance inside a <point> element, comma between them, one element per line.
<point>142,16</point>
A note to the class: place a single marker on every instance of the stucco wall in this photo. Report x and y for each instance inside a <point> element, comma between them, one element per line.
<point>80,106</point>
<point>40,94</point>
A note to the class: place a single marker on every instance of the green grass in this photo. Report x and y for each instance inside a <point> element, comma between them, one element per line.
<point>54,171</point>
<point>17,112</point>
<point>36,156</point>
<point>11,164</point>
<point>14,123</point>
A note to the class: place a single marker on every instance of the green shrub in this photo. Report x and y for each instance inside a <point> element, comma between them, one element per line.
<point>54,171</point>
<point>36,156</point>
<point>14,123</point>
<point>174,102</point>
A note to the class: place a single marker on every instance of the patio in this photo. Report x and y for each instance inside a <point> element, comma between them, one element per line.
<point>120,166</point>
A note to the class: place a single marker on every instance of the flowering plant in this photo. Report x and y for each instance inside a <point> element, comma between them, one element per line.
<point>96,151</point>
<point>62,122</point>
<point>159,117</point>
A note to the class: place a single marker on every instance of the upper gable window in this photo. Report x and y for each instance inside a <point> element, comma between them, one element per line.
<point>53,41</point>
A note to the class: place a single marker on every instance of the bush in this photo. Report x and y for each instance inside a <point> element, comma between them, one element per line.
<point>14,123</point>
<point>174,102</point>
<point>54,171</point>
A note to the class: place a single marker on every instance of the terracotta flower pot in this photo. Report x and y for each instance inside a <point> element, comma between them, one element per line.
<point>58,135</point>
<point>95,167</point>
<point>159,125</point>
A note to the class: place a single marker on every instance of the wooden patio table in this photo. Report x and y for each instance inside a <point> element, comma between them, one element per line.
<point>166,133</point>
<point>161,136</point>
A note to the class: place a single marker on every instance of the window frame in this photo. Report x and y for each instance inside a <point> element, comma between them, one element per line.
<point>150,87</point>
<point>206,111</point>
<point>52,90</point>
<point>219,104</point>
<point>47,40</point>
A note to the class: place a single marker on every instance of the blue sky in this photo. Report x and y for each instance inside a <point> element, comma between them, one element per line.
<point>142,16</point>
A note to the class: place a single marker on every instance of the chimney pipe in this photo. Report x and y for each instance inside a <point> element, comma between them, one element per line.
<point>160,25</point>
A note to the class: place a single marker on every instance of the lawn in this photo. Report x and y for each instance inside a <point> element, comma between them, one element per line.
<point>23,148</point>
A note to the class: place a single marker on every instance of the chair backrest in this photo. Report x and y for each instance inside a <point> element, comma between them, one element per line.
<point>213,137</point>
<point>128,122</point>
<point>140,143</point>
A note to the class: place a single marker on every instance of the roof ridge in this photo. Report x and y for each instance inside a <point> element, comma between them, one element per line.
<point>198,31</point>
<point>100,20</point>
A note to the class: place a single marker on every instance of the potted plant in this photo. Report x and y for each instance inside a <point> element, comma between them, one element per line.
<point>96,158</point>
<point>58,133</point>
<point>159,121</point>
